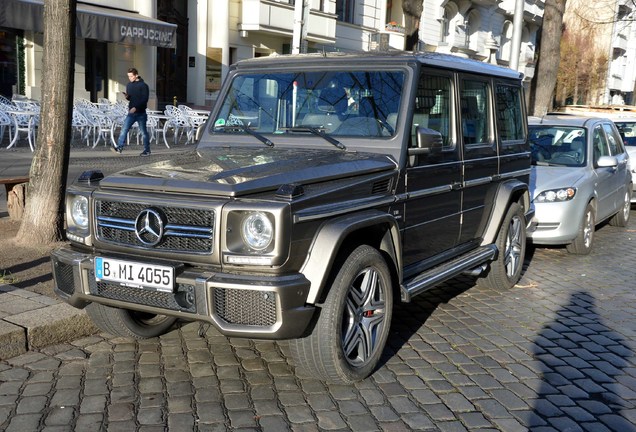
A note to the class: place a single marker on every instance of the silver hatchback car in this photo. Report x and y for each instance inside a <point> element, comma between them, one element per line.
<point>580,177</point>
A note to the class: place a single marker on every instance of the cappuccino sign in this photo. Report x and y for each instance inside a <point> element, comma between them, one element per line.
<point>147,35</point>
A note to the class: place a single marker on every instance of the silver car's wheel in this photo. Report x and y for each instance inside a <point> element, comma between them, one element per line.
<point>621,218</point>
<point>347,341</point>
<point>582,244</point>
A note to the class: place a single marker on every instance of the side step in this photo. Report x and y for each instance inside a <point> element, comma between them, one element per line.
<point>448,270</point>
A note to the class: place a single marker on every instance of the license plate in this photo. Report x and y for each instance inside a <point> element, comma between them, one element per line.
<point>134,274</point>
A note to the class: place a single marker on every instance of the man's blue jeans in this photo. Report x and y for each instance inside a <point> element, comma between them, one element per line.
<point>130,120</point>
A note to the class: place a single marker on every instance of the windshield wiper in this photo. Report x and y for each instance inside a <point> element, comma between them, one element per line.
<point>247,130</point>
<point>318,132</point>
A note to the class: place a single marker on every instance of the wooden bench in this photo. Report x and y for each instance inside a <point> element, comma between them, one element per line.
<point>16,195</point>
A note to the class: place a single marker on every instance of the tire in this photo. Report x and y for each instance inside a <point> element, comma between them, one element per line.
<point>127,323</point>
<point>621,218</point>
<point>505,271</point>
<point>349,336</point>
<point>582,244</point>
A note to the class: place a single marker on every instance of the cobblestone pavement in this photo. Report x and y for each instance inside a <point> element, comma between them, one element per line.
<point>556,353</point>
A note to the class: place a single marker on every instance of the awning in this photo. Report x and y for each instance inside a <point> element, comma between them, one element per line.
<point>93,22</point>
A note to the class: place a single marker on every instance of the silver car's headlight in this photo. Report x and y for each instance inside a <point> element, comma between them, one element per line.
<point>79,211</point>
<point>556,195</point>
<point>257,230</point>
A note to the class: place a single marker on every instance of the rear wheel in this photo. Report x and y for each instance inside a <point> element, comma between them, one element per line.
<point>350,334</point>
<point>621,218</point>
<point>127,323</point>
<point>582,244</point>
<point>505,271</point>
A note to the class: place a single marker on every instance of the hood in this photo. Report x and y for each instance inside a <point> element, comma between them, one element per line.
<point>240,171</point>
<point>554,177</point>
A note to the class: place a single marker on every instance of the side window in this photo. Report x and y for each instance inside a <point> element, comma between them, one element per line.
<point>614,139</point>
<point>600,144</point>
<point>433,108</point>
<point>509,113</point>
<point>475,108</point>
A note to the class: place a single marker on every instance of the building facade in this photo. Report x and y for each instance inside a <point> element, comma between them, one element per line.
<point>111,36</point>
<point>207,36</point>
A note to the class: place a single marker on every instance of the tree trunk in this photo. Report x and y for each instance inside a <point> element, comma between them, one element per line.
<point>43,220</point>
<point>549,56</point>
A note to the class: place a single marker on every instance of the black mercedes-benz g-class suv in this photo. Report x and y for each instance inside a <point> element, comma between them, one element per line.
<point>323,189</point>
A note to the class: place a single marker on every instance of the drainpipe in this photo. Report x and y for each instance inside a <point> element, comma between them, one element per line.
<point>298,26</point>
<point>517,25</point>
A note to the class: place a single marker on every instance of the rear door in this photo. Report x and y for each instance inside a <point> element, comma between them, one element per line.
<point>481,164</point>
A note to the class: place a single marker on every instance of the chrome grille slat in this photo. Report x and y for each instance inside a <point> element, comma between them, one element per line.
<point>187,230</point>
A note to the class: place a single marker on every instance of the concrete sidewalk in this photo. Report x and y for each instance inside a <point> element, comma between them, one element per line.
<point>30,320</point>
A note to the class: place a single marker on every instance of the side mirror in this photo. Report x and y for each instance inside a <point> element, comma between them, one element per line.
<point>429,142</point>
<point>607,162</point>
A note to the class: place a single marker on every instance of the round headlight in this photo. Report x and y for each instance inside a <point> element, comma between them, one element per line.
<point>257,231</point>
<point>79,211</point>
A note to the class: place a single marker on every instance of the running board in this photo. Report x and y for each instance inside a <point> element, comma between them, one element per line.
<point>448,270</point>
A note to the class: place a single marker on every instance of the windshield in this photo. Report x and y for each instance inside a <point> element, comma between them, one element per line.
<point>558,145</point>
<point>325,104</point>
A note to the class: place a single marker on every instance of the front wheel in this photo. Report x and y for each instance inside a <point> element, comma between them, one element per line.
<point>350,334</point>
<point>128,323</point>
<point>505,270</point>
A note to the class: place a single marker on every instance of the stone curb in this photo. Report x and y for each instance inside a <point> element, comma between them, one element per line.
<point>31,321</point>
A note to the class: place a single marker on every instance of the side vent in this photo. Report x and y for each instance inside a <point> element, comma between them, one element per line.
<point>381,187</point>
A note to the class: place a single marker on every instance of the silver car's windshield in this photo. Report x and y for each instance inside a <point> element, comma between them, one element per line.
<point>558,145</point>
<point>336,103</point>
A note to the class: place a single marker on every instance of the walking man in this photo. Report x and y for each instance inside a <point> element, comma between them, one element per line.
<point>137,94</point>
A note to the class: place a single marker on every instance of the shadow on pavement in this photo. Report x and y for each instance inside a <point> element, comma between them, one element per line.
<point>582,364</point>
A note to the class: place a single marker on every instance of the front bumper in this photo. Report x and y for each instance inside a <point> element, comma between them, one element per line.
<point>255,306</point>
<point>556,223</point>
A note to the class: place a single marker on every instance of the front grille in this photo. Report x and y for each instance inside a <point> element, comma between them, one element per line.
<point>183,300</point>
<point>186,230</point>
<point>63,274</point>
<point>245,307</point>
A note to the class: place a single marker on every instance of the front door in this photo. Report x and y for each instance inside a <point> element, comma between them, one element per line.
<point>433,210</point>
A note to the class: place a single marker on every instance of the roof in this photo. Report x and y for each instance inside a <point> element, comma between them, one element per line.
<point>384,58</point>
<point>563,120</point>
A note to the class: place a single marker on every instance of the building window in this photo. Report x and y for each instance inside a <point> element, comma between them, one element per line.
<point>473,23</point>
<point>506,42</point>
<point>445,25</point>
<point>345,10</point>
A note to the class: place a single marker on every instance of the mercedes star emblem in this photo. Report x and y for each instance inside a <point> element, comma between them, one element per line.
<point>149,227</point>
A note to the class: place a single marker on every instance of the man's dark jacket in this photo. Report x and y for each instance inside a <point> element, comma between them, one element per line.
<point>138,94</point>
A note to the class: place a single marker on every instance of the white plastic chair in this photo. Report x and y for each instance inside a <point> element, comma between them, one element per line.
<point>80,123</point>
<point>178,122</point>
<point>5,120</point>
